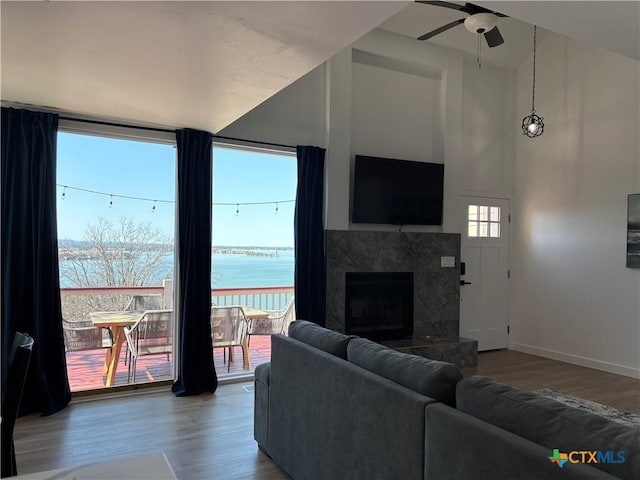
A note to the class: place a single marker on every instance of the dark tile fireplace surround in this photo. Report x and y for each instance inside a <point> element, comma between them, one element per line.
<point>436,289</point>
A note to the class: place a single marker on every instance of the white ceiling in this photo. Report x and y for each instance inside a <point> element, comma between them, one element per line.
<point>205,64</point>
<point>179,64</point>
<point>612,25</point>
<point>417,19</point>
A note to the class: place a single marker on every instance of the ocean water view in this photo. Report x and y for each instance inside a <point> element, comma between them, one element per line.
<point>232,267</point>
<point>237,270</point>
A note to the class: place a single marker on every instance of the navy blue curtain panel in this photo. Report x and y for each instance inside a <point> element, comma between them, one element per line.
<point>30,273</point>
<point>309,276</point>
<point>197,372</point>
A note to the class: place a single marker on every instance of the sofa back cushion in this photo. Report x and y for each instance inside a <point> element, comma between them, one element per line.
<point>550,423</point>
<point>322,338</point>
<point>431,378</point>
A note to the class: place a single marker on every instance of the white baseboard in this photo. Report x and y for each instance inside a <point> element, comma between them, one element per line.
<point>578,360</point>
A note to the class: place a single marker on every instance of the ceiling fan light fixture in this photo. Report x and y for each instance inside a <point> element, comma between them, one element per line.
<point>480,22</point>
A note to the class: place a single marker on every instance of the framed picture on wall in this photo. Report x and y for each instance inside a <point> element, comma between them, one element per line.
<point>633,231</point>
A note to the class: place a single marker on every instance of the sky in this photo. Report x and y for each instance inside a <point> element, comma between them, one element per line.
<point>147,171</point>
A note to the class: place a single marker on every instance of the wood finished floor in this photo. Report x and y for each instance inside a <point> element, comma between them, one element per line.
<point>211,436</point>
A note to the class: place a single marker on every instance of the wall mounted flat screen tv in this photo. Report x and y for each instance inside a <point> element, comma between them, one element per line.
<point>397,192</point>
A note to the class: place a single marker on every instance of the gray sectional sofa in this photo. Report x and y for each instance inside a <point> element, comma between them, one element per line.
<point>331,406</point>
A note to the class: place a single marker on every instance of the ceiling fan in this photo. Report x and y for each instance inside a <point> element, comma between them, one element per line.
<point>480,20</point>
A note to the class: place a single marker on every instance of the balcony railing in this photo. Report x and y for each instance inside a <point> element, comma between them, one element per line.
<point>265,298</point>
<point>115,298</point>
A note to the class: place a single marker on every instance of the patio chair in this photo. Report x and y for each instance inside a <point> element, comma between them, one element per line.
<point>228,330</point>
<point>145,302</point>
<point>278,321</point>
<point>18,360</point>
<point>152,334</point>
<point>82,335</point>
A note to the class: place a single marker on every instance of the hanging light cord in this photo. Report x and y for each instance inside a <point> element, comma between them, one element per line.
<point>533,124</point>
<point>533,93</point>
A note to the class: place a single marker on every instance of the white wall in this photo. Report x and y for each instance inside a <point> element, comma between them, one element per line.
<point>565,186</point>
<point>574,300</point>
<point>389,95</point>
<point>293,116</point>
<point>427,76</point>
<point>395,114</point>
<point>571,296</point>
<point>488,130</point>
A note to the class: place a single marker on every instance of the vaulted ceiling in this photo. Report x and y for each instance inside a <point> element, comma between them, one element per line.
<point>205,64</point>
<point>177,64</point>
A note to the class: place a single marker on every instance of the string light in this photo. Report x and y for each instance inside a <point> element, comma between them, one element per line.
<point>156,201</point>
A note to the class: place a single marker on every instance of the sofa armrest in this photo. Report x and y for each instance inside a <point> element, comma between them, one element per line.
<point>459,446</point>
<point>261,406</point>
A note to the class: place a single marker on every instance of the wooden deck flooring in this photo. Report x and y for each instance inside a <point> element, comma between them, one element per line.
<point>85,368</point>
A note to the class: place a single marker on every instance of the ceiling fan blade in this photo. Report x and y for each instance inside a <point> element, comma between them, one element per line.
<point>455,6</point>
<point>493,37</point>
<point>472,9</point>
<point>469,8</point>
<point>444,28</point>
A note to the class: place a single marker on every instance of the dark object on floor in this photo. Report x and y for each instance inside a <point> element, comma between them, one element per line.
<point>18,365</point>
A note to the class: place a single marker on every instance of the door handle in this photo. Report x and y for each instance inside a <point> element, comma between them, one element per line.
<point>462,282</point>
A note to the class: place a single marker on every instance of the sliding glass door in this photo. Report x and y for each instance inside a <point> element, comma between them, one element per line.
<point>252,253</point>
<point>116,222</point>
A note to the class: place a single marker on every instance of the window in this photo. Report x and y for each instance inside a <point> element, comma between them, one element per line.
<point>252,253</point>
<point>116,221</point>
<point>484,221</point>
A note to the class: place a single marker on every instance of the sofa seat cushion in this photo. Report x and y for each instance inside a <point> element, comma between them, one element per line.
<point>550,423</point>
<point>324,339</point>
<point>431,378</point>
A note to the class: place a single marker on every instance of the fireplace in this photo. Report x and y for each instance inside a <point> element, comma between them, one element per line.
<point>379,305</point>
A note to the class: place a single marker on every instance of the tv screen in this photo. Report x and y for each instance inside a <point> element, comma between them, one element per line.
<point>397,192</point>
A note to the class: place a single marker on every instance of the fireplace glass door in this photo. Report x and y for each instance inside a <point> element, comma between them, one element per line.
<point>379,305</point>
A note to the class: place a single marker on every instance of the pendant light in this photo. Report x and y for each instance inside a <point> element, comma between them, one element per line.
<point>532,124</point>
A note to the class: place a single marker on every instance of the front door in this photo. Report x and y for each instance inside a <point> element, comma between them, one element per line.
<point>483,290</point>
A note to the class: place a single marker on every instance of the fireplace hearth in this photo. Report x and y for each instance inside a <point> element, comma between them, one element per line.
<point>379,305</point>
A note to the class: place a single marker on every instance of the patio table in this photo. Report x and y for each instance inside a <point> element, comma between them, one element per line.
<point>115,321</point>
<point>250,314</point>
<point>254,313</point>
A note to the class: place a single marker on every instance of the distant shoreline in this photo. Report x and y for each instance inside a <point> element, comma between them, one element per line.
<point>233,268</point>
<point>84,243</point>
